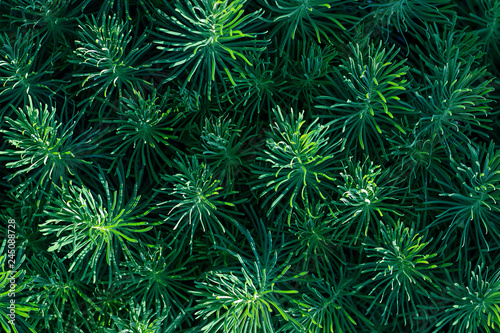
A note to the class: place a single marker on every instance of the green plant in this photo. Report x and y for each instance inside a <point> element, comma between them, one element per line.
<point>223,145</point>
<point>142,320</point>
<point>159,277</point>
<point>13,299</point>
<point>142,134</point>
<point>443,43</point>
<point>131,10</point>
<point>96,229</point>
<point>107,302</point>
<point>196,199</point>
<point>45,151</point>
<point>485,15</point>
<point>329,306</point>
<point>298,163</point>
<point>306,19</point>
<point>455,105</point>
<point>469,207</point>
<point>310,74</point>
<point>192,108</point>
<point>472,306</point>
<point>208,38</point>
<point>409,14</point>
<point>366,103</point>
<point>369,194</point>
<point>113,57</point>
<point>258,86</point>
<point>178,166</point>
<point>25,207</point>
<point>243,298</point>
<point>57,292</point>
<point>316,234</point>
<point>423,161</point>
<point>24,75</point>
<point>402,275</point>
<point>54,20</point>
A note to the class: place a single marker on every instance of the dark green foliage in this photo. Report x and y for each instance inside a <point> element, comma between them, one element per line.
<point>443,43</point>
<point>143,132</point>
<point>130,10</point>
<point>318,20</point>
<point>27,229</point>
<point>454,105</point>
<point>330,306</point>
<point>247,297</point>
<point>142,320</point>
<point>11,261</point>
<point>109,302</point>
<point>402,271</point>
<point>98,228</point>
<point>208,38</point>
<point>407,15</point>
<point>365,104</point>
<point>225,147</point>
<point>298,162</point>
<point>234,166</point>
<point>316,234</point>
<point>158,276</point>
<point>484,16</point>
<point>310,74</point>
<point>422,160</point>
<point>24,75</point>
<point>258,86</point>
<point>470,208</point>
<point>368,194</point>
<point>58,290</point>
<point>111,59</point>
<point>192,108</point>
<point>197,199</point>
<point>54,20</point>
<point>473,305</point>
<point>44,150</point>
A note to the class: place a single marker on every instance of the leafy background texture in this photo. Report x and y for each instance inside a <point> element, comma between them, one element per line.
<point>250,166</point>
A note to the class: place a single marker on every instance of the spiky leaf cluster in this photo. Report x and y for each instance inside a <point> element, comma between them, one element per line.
<point>454,104</point>
<point>298,163</point>
<point>248,297</point>
<point>473,305</point>
<point>403,271</point>
<point>143,133</point>
<point>24,75</point>
<point>365,105</point>
<point>159,275</point>
<point>329,306</point>
<point>316,20</point>
<point>225,147</point>
<point>471,210</point>
<point>316,234</point>
<point>407,15</point>
<point>95,230</point>
<point>43,148</point>
<point>208,39</point>
<point>111,59</point>
<point>197,201</point>
<point>368,195</point>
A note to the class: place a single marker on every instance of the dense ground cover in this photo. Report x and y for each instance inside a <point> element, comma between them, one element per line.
<point>250,166</point>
